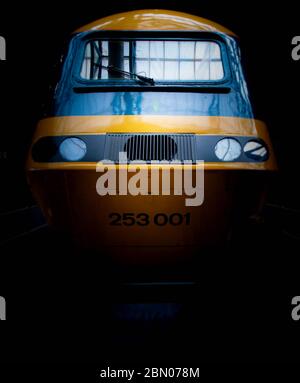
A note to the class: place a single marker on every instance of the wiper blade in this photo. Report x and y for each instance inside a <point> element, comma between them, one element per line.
<point>144,79</point>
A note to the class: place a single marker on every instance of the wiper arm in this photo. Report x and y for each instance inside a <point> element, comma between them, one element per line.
<point>144,79</point>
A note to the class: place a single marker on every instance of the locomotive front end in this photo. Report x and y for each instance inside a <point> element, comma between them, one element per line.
<point>151,150</point>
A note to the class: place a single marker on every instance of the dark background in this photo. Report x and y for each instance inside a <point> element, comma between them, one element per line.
<point>59,306</point>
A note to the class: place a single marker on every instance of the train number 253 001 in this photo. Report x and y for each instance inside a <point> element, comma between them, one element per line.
<point>144,219</point>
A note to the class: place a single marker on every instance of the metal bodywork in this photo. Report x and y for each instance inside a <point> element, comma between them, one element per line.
<point>66,191</point>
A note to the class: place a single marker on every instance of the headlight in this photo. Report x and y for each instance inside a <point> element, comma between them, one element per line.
<point>72,149</point>
<point>256,150</point>
<point>228,149</point>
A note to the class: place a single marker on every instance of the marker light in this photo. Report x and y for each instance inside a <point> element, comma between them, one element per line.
<point>256,150</point>
<point>228,149</point>
<point>72,149</point>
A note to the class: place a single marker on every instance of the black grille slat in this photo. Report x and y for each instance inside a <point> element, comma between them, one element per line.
<point>161,148</point>
<point>184,148</point>
<point>147,157</point>
<point>135,144</point>
<point>151,147</point>
<point>143,147</point>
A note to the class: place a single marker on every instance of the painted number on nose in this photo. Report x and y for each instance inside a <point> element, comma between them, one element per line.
<point>144,219</point>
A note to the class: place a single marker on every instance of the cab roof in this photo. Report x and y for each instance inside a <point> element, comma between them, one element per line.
<point>154,19</point>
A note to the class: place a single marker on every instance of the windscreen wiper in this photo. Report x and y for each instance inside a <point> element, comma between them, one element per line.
<point>143,79</point>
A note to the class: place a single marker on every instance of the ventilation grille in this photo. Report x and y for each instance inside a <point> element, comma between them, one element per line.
<point>150,147</point>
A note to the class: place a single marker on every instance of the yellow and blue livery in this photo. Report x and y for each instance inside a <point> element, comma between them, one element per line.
<point>158,85</point>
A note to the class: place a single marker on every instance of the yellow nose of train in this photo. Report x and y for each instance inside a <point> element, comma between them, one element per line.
<point>150,149</point>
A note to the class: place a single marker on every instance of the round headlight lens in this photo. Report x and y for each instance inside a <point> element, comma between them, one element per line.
<point>228,149</point>
<point>256,150</point>
<point>72,149</point>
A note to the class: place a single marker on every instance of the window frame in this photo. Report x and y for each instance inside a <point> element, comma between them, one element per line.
<point>155,36</point>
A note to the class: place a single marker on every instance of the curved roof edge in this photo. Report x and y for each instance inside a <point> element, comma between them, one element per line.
<point>155,19</point>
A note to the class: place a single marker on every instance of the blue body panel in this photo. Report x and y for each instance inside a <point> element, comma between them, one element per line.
<point>154,103</point>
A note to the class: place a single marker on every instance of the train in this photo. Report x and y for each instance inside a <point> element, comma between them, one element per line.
<point>151,105</point>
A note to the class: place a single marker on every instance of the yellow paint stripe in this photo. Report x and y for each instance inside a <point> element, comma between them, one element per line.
<point>57,126</point>
<point>91,166</point>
